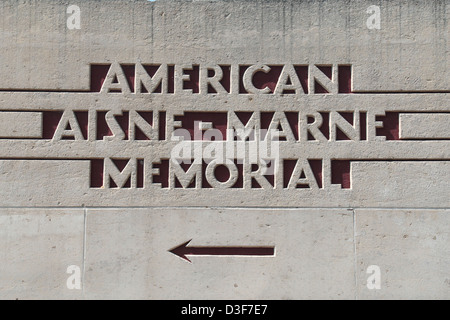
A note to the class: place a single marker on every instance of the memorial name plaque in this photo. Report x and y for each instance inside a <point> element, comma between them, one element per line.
<point>300,144</point>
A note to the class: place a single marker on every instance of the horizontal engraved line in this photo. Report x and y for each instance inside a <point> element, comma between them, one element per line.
<point>231,208</point>
<point>363,92</point>
<point>85,149</point>
<point>402,92</point>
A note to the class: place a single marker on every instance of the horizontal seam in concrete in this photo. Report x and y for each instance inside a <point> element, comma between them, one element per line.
<point>84,252</point>
<point>225,207</point>
<point>355,257</point>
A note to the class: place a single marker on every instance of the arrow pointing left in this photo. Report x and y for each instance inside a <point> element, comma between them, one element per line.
<point>184,250</point>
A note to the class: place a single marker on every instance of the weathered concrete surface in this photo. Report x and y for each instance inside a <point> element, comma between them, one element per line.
<point>401,180</point>
<point>317,264</point>
<point>411,46</point>
<point>127,253</point>
<point>434,126</point>
<point>410,246</point>
<point>21,125</point>
<point>52,182</point>
<point>362,178</point>
<point>36,248</point>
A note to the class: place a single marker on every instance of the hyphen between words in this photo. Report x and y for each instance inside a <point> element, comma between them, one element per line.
<point>250,138</point>
<point>228,149</point>
<point>154,124</point>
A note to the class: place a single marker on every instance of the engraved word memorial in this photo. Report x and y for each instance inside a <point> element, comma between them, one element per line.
<point>297,143</point>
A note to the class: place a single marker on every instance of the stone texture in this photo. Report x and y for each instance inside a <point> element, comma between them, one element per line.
<point>60,139</point>
<point>414,184</point>
<point>411,248</point>
<point>410,45</point>
<point>127,254</point>
<point>425,126</point>
<point>52,182</point>
<point>36,248</point>
<point>20,125</point>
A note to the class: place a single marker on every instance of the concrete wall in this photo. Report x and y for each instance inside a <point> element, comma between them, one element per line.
<point>357,206</point>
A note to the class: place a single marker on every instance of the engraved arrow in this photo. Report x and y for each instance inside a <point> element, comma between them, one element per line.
<point>183,250</point>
